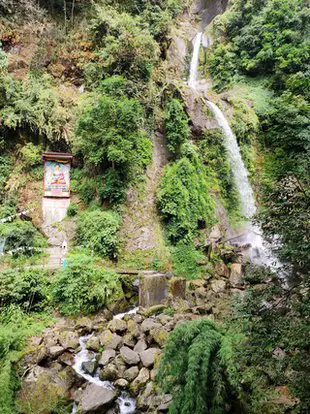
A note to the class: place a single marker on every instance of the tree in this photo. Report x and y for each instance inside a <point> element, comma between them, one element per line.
<point>197,369</point>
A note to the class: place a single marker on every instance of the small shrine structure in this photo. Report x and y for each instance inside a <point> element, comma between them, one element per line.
<point>57,167</point>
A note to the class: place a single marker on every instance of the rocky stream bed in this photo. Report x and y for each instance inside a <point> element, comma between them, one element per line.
<point>107,363</point>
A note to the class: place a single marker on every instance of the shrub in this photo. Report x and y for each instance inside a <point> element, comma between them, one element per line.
<point>72,210</point>
<point>185,257</point>
<point>197,368</point>
<point>184,198</point>
<point>30,155</point>
<point>97,230</point>
<point>24,287</point>
<point>21,237</point>
<point>83,286</point>
<point>176,125</point>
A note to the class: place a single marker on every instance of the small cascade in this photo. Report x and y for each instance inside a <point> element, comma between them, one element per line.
<point>260,252</point>
<point>126,404</point>
<point>193,70</point>
<point>2,245</point>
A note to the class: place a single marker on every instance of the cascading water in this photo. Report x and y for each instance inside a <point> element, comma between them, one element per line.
<point>126,404</point>
<point>2,245</point>
<point>259,251</point>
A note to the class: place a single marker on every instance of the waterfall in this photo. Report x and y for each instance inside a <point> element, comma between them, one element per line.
<point>260,251</point>
<point>239,171</point>
<point>193,71</point>
<point>2,245</point>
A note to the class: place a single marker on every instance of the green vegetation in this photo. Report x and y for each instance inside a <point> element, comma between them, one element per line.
<point>84,286</point>
<point>21,237</point>
<point>26,288</point>
<point>184,197</point>
<point>97,231</point>
<point>198,369</point>
<point>177,130</point>
<point>184,260</point>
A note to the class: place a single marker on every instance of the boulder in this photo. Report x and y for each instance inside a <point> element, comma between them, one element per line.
<point>159,335</point>
<point>109,340</point>
<point>85,324</point>
<point>42,389</point>
<point>106,356</point>
<point>96,400</point>
<point>120,366</point>
<point>131,373</point>
<point>149,324</point>
<point>93,343</point>
<point>55,351</point>
<point>235,277</point>
<point>117,325</point>
<point>140,381</point>
<point>89,367</point>
<point>140,346</point>
<point>129,356</point>
<point>133,328</point>
<point>218,285</point>
<point>66,358</point>
<point>129,340</point>
<point>148,357</point>
<point>222,270</point>
<point>164,319</point>
<point>108,373</point>
<point>121,383</point>
<point>69,339</point>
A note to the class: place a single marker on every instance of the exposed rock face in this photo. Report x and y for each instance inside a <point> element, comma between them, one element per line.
<point>177,287</point>
<point>96,400</point>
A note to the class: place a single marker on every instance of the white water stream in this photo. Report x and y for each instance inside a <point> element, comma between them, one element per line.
<point>126,404</point>
<point>259,251</point>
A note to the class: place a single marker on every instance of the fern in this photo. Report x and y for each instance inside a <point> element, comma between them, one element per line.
<point>197,369</point>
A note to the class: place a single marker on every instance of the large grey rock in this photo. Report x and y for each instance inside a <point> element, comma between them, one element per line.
<point>93,343</point>
<point>152,289</point>
<point>131,373</point>
<point>96,400</point>
<point>140,346</point>
<point>107,356</point>
<point>133,328</point>
<point>140,381</point>
<point>69,339</point>
<point>129,340</point>
<point>117,325</point>
<point>148,357</point>
<point>89,367</point>
<point>149,324</point>
<point>55,351</point>
<point>159,335</point>
<point>218,285</point>
<point>109,340</point>
<point>129,356</point>
<point>108,373</point>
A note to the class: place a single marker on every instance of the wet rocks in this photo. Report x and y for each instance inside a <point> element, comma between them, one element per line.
<point>89,367</point>
<point>96,399</point>
<point>131,373</point>
<point>109,340</point>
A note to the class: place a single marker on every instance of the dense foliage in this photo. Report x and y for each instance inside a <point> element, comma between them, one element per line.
<point>184,197</point>
<point>97,231</point>
<point>24,287</point>
<point>177,130</point>
<point>84,286</point>
<point>197,369</point>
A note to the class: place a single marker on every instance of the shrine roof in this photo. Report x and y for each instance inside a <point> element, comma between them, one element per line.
<point>56,156</point>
